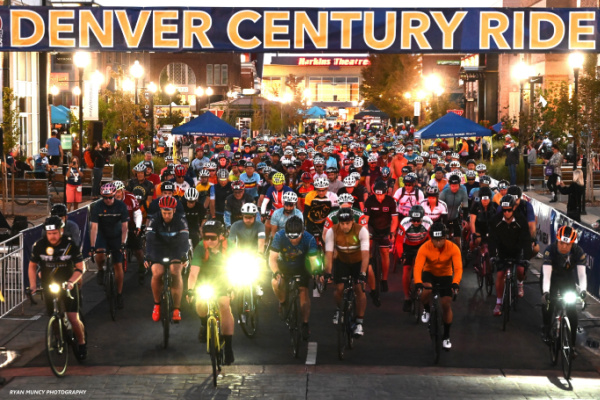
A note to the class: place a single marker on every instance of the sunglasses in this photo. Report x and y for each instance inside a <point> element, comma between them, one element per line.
<point>210,238</point>
<point>321,190</point>
<point>287,204</point>
<point>293,235</point>
<point>507,210</point>
<point>109,197</point>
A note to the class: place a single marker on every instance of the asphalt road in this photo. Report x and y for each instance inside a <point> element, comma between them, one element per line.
<point>391,337</point>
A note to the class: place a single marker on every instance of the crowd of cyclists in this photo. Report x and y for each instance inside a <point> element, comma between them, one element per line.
<point>311,204</point>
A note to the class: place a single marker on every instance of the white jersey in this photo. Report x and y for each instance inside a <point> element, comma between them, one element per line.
<point>406,200</point>
<point>436,212</point>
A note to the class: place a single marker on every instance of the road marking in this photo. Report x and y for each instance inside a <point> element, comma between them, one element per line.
<point>311,354</point>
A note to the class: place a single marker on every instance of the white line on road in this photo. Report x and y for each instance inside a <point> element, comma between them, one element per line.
<point>311,354</point>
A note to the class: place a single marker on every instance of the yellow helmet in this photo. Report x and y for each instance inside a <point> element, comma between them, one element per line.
<point>278,179</point>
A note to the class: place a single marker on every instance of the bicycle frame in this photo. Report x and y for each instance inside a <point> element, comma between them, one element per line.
<point>213,317</point>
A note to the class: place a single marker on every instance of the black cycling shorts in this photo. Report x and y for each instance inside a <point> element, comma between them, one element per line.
<point>445,282</point>
<point>500,265</point>
<point>112,245</point>
<point>70,305</point>
<point>455,228</point>
<point>289,272</point>
<point>341,270</point>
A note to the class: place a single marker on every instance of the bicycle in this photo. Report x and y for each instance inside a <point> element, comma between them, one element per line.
<point>510,296</point>
<point>166,301</point>
<point>110,284</point>
<point>375,262</point>
<point>346,317</point>
<point>317,284</point>
<point>293,315</point>
<point>215,347</point>
<point>483,269</point>
<point>435,321</point>
<point>560,338</point>
<point>60,335</point>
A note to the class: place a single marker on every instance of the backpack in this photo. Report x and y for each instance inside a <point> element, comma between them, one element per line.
<point>87,157</point>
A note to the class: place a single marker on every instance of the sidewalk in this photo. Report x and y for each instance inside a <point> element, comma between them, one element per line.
<point>593,212</point>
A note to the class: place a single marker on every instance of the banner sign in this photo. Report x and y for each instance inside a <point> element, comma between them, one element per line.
<point>390,30</point>
<point>90,101</point>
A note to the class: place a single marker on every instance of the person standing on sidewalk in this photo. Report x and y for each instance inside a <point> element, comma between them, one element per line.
<point>512,160</point>
<point>531,160</point>
<point>99,157</point>
<point>556,163</point>
<point>575,191</point>
<point>55,151</point>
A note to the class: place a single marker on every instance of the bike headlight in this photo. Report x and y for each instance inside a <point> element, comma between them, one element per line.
<point>205,292</point>
<point>243,268</point>
<point>570,297</point>
<point>165,260</point>
<point>54,288</point>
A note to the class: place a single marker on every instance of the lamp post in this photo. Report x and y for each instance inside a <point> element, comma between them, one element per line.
<point>170,91</point>
<point>54,91</point>
<point>209,92</point>
<point>81,60</point>
<point>199,93</point>
<point>152,88</point>
<point>137,71</point>
<point>576,62</point>
<point>522,72</point>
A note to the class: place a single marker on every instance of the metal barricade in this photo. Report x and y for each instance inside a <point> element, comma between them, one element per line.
<point>11,274</point>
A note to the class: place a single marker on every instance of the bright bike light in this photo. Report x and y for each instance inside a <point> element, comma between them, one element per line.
<point>570,297</point>
<point>243,268</point>
<point>205,292</point>
<point>54,288</point>
<point>165,260</point>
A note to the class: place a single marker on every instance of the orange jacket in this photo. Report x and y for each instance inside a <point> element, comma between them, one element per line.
<point>438,262</point>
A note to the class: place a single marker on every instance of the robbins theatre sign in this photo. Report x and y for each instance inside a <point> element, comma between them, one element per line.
<point>287,29</point>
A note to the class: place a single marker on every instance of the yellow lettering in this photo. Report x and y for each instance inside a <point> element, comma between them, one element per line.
<point>535,40</point>
<point>160,28</point>
<point>519,30</point>
<point>576,30</point>
<point>88,22</point>
<point>271,29</point>
<point>199,31</point>
<point>487,32</point>
<point>448,28</point>
<point>17,17</point>
<point>390,31</point>
<point>233,30</point>
<point>56,28</point>
<point>346,18</point>
<point>133,37</point>
<point>304,24</point>
<point>418,32</point>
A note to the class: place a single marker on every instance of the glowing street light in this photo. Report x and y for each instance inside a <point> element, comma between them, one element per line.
<point>209,92</point>
<point>81,59</point>
<point>170,91</point>
<point>152,88</point>
<point>77,91</point>
<point>137,71</point>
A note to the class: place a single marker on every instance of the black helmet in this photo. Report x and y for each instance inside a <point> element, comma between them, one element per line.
<point>485,192</point>
<point>345,215</point>
<point>437,230</point>
<point>294,227</point>
<point>507,201</point>
<point>454,179</point>
<point>213,226</point>
<point>59,210</point>
<point>331,170</point>
<point>53,223</point>
<point>471,161</point>
<point>416,212</point>
<point>432,190</point>
<point>167,186</point>
<point>515,191</point>
<point>380,187</point>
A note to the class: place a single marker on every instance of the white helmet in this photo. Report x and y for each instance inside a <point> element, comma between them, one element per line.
<point>345,198</point>
<point>191,194</point>
<point>480,167</point>
<point>289,197</point>
<point>319,161</point>
<point>454,164</point>
<point>249,209</point>
<point>356,176</point>
<point>118,185</point>
<point>358,162</point>
<point>204,172</point>
<point>455,155</point>
<point>321,183</point>
<point>349,181</point>
<point>372,158</point>
<point>400,149</point>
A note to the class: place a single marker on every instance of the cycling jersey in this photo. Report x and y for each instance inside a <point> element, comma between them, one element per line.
<point>455,201</point>
<point>414,236</point>
<point>247,237</point>
<point>441,184</point>
<point>219,193</point>
<point>439,211</point>
<point>302,192</point>
<point>146,185</point>
<point>510,240</point>
<point>233,208</point>
<point>316,210</point>
<point>358,193</point>
<point>359,218</point>
<point>167,240</point>
<point>133,208</point>
<point>251,183</point>
<point>483,217</point>
<point>293,258</point>
<point>423,176</point>
<point>380,214</point>
<point>407,199</point>
<point>279,217</point>
<point>194,217</point>
<point>438,262</point>
<point>109,218</point>
<point>349,246</point>
<point>564,266</point>
<point>273,199</point>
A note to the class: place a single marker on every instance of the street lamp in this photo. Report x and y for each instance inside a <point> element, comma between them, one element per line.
<point>199,93</point>
<point>152,88</point>
<point>81,60</point>
<point>209,92</point>
<point>137,71</point>
<point>522,73</point>
<point>170,91</point>
<point>54,91</point>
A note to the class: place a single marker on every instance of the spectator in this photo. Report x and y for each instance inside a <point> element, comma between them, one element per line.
<point>575,191</point>
<point>512,160</point>
<point>74,176</point>
<point>556,163</point>
<point>55,151</point>
<point>100,154</point>
<point>531,159</point>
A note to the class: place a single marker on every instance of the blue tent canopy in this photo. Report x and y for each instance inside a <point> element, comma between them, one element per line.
<point>208,124</point>
<point>315,112</point>
<point>58,115</point>
<point>497,127</point>
<point>452,125</point>
<point>65,109</point>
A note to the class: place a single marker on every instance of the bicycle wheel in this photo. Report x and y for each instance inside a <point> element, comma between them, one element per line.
<point>486,268</point>
<point>566,347</point>
<point>435,324</point>
<point>165,308</point>
<point>480,271</point>
<point>111,294</point>
<point>212,345</point>
<point>416,304</point>
<point>295,321</point>
<point>342,332</point>
<point>57,348</point>
<point>22,201</point>
<point>554,344</point>
<point>249,313</point>
<point>350,321</point>
<point>506,304</point>
<point>377,268</point>
<point>514,293</point>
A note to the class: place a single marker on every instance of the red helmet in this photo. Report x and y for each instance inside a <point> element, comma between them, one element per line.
<point>180,170</point>
<point>306,178</point>
<point>238,185</point>
<point>167,202</point>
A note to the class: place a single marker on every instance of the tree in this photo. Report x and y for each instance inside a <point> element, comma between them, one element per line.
<point>121,115</point>
<point>10,123</point>
<point>164,98</point>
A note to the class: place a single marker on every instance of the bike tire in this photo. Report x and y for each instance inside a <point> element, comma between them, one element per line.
<point>57,348</point>
<point>342,334</point>
<point>488,273</point>
<point>212,347</point>
<point>166,318</point>
<point>297,331</point>
<point>554,344</point>
<point>250,312</point>
<point>350,320</point>
<point>111,295</point>
<point>377,269</point>
<point>514,294</point>
<point>506,305</point>
<point>293,327</point>
<point>566,347</point>
<point>436,334</point>
<point>480,275</point>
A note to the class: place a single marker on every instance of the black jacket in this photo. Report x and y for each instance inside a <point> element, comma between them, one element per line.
<point>510,240</point>
<point>575,193</point>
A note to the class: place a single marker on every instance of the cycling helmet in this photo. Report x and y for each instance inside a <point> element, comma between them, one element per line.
<point>432,190</point>
<point>424,154</point>
<point>434,157</point>
<point>260,166</point>
<point>43,150</point>
<point>265,158</point>
<point>53,223</point>
<point>278,179</point>
<point>349,181</point>
<point>454,179</point>
<point>290,197</point>
<point>400,149</point>
<point>345,215</point>
<point>406,169</point>
<point>332,170</point>
<point>119,185</point>
<point>249,209</point>
<point>358,162</point>
<point>345,198</point>
<point>167,186</point>
<point>306,177</point>
<point>180,170</point>
<point>211,165</point>
<point>168,202</point>
<point>319,161</point>
<point>470,174</point>
<point>419,160</point>
<point>321,183</point>
<point>213,226</point>
<point>515,191</point>
<point>296,164</point>
<point>58,210</point>
<point>372,159</point>
<point>185,160</point>
<point>301,150</point>
<point>288,153</point>
<point>470,161</point>
<point>454,164</point>
<point>486,180</point>
<point>503,184</point>
<point>455,155</point>
<point>385,172</point>
<point>380,187</point>
<point>148,164</point>
<point>191,194</point>
<point>437,230</point>
<point>139,168</point>
<point>356,176</point>
<point>169,158</point>
<point>484,192</point>
<point>108,190</point>
<point>249,164</point>
<point>286,162</point>
<point>416,212</point>
<point>480,167</point>
<point>204,173</point>
<point>238,185</point>
<point>410,178</point>
<point>566,234</point>
<point>507,201</point>
<point>294,227</point>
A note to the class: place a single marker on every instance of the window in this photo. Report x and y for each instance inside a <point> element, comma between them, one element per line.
<point>339,88</point>
<point>209,74</point>
<point>271,86</point>
<point>217,74</point>
<point>181,74</point>
<point>224,75</point>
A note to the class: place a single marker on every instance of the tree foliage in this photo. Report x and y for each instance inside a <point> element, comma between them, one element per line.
<point>10,123</point>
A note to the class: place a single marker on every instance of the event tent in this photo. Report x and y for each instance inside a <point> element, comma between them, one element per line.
<point>58,115</point>
<point>208,124</point>
<point>315,113</point>
<point>452,125</point>
<point>371,111</point>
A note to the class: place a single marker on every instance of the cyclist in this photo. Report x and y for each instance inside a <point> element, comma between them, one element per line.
<point>203,186</point>
<point>274,196</point>
<point>502,191</point>
<point>249,232</point>
<point>383,222</point>
<point>290,249</point>
<point>110,220</point>
<point>334,183</point>
<point>457,201</point>
<point>135,221</point>
<point>434,208</point>
<point>409,195</point>
<point>251,180</point>
<point>525,208</point>
<point>358,192</point>
<point>234,202</point>
<point>166,189</point>
<point>167,237</point>
<point>438,262</point>
<point>218,193</point>
<point>563,260</point>
<point>509,238</point>
<point>439,178</point>
<point>71,229</point>
<point>60,261</point>
<point>387,178</point>
<point>140,180</point>
<point>413,231</point>
<point>350,242</point>
<point>304,188</point>
<point>280,216</point>
<point>481,214</point>
<point>317,206</point>
<point>195,214</point>
<point>345,200</point>
<point>180,182</point>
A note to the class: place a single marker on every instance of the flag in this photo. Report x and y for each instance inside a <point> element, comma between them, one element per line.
<point>543,101</point>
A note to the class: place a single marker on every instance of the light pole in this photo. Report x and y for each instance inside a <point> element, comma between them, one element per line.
<point>137,71</point>
<point>81,60</point>
<point>170,91</point>
<point>54,91</point>
<point>522,73</point>
<point>199,93</point>
<point>152,88</point>
<point>209,92</point>
<point>576,62</point>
